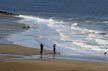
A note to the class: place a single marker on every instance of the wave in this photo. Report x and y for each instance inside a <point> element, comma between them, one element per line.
<point>67,35</point>
<point>102,41</point>
<point>86,46</point>
<point>35,20</point>
<point>51,22</point>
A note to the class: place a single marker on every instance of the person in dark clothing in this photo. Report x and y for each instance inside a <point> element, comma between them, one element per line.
<point>54,49</point>
<point>41,48</point>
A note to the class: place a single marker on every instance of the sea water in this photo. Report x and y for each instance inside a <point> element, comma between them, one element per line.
<point>78,27</point>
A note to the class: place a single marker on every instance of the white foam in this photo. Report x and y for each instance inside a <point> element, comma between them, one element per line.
<point>105,22</point>
<point>84,30</point>
<point>37,19</point>
<point>102,41</point>
<point>75,24</point>
<point>88,47</point>
<point>92,36</point>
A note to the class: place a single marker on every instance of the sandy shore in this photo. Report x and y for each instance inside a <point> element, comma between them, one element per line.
<point>16,49</point>
<point>45,64</point>
<point>51,65</point>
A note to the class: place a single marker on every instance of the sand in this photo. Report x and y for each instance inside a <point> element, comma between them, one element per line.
<point>17,49</point>
<point>44,64</point>
<point>52,65</point>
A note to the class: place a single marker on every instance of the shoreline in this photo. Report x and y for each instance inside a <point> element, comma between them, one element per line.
<point>47,64</point>
<point>17,49</point>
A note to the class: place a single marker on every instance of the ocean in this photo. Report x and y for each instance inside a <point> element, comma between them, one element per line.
<point>79,28</point>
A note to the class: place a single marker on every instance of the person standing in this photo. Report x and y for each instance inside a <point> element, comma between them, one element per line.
<point>54,49</point>
<point>41,48</point>
<point>41,51</point>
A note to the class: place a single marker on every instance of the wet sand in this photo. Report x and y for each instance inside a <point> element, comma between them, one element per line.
<point>44,64</point>
<point>51,65</point>
<point>16,49</point>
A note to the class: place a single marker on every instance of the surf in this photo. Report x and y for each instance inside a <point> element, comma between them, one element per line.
<point>63,33</point>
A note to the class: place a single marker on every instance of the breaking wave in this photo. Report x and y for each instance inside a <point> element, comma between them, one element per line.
<point>69,36</point>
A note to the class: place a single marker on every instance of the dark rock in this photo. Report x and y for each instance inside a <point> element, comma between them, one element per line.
<point>6,13</point>
<point>26,27</point>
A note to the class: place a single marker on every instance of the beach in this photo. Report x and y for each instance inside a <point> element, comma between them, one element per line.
<point>51,65</point>
<point>78,28</point>
<point>73,40</point>
<point>47,64</point>
<point>17,49</point>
